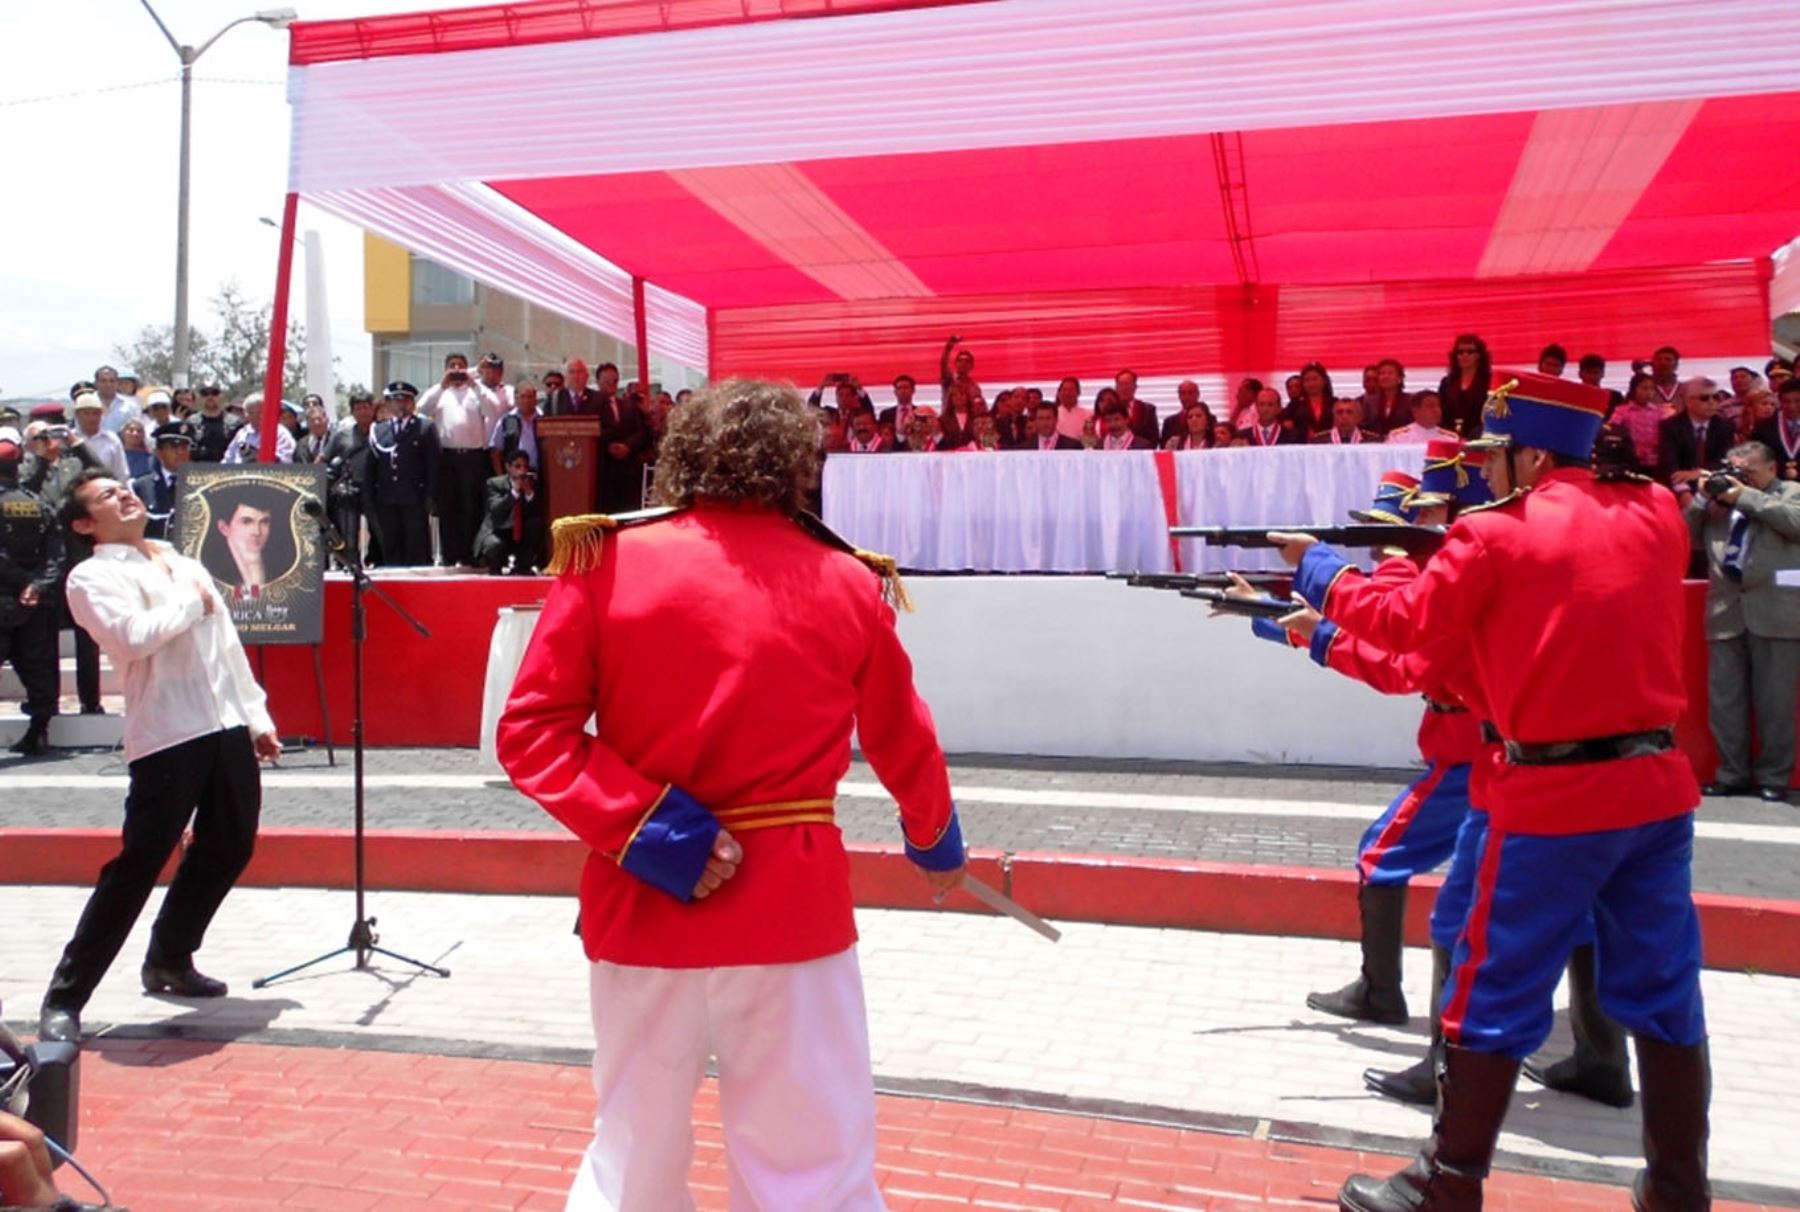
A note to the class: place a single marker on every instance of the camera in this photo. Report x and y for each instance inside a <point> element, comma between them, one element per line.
<point>459,376</point>
<point>1719,483</point>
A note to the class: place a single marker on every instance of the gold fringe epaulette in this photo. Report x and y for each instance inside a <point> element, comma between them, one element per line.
<point>577,541</point>
<point>1517,494</point>
<point>886,567</point>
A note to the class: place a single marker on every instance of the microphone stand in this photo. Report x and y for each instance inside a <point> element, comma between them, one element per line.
<point>363,938</point>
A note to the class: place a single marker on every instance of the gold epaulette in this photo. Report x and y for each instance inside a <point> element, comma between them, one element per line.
<point>1517,494</point>
<point>1622,475</point>
<point>577,541</point>
<point>885,567</point>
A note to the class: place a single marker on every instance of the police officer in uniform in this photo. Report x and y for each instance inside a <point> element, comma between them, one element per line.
<point>401,476</point>
<point>57,456</point>
<point>156,487</point>
<point>31,570</point>
<point>1570,596</point>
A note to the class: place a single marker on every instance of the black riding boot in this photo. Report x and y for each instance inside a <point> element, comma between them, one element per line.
<point>36,741</point>
<point>1417,1084</point>
<point>1375,996</point>
<point>1677,1084</point>
<point>1473,1092</point>
<point>1598,1070</point>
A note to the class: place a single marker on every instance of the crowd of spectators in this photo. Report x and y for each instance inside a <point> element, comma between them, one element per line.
<point>464,452</point>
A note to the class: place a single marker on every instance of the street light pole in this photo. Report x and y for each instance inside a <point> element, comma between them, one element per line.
<point>274,18</point>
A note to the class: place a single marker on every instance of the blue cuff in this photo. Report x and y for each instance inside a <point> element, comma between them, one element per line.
<point>1319,568</point>
<point>946,854</point>
<point>1320,648</point>
<point>1269,629</point>
<point>671,845</point>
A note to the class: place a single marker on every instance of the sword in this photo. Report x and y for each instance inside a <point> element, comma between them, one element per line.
<point>993,898</point>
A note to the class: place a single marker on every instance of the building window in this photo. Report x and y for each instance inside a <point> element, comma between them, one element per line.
<point>435,286</point>
<point>419,360</point>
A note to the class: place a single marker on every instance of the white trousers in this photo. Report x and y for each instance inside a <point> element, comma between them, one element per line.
<point>795,1091</point>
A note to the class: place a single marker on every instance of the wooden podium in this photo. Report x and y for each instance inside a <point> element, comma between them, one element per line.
<point>570,454</point>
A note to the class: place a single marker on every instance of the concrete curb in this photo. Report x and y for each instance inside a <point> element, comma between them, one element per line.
<point>1741,933</point>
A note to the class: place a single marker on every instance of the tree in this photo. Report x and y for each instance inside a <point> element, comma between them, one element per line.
<point>234,354</point>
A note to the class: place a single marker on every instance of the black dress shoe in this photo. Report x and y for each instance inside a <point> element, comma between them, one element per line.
<point>1773,795</point>
<point>57,1024</point>
<point>94,710</point>
<point>1719,791</point>
<point>32,745</point>
<point>181,982</point>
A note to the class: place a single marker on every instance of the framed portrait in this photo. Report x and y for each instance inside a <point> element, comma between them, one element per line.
<point>245,525</point>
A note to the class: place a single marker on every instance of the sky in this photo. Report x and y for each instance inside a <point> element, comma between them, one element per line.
<point>90,110</point>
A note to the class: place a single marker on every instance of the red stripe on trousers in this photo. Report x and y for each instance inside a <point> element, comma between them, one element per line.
<point>1475,933</point>
<point>1397,824</point>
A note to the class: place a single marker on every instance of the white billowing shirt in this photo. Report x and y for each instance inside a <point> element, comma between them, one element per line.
<point>1070,421</point>
<point>1415,434</point>
<point>246,445</point>
<point>185,672</point>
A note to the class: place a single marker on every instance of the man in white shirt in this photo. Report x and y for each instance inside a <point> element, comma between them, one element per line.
<point>464,412</point>
<point>90,416</point>
<point>1426,423</point>
<point>196,724</point>
<point>491,370</point>
<point>119,405</point>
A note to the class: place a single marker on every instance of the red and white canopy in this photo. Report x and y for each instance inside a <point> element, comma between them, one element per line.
<point>1182,185</point>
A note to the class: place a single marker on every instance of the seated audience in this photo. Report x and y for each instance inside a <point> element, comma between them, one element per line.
<point>1044,432</point>
<point>1119,434</point>
<point>1552,359</point>
<point>1695,440</point>
<point>1426,425</point>
<point>1315,410</point>
<point>865,435</point>
<point>925,436</point>
<point>1781,432</point>
<point>1387,406</point>
<point>1200,432</point>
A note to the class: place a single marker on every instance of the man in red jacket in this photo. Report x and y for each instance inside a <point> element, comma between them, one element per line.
<point>716,903</point>
<point>1570,596</point>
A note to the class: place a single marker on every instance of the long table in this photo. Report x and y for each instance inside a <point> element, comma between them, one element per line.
<point>1092,510</point>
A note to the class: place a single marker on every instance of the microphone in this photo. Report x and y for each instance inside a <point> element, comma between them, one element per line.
<point>314,508</point>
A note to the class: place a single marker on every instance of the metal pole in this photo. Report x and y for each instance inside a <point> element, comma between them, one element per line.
<point>643,337</point>
<point>180,373</point>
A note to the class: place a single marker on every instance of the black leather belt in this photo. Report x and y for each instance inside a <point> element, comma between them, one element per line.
<point>1595,749</point>
<point>1438,708</point>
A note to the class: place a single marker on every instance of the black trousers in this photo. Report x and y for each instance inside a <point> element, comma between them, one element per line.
<point>526,554</point>
<point>213,779</point>
<point>404,528</point>
<point>30,644</point>
<point>461,487</point>
<point>347,516</point>
<point>87,662</point>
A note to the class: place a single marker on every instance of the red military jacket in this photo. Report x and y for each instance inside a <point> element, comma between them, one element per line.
<point>1440,670</point>
<point>1570,598</point>
<point>726,652</point>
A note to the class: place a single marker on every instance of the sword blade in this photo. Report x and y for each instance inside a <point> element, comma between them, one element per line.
<point>993,898</point>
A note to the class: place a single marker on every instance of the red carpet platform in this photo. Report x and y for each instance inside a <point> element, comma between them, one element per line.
<point>185,1126</point>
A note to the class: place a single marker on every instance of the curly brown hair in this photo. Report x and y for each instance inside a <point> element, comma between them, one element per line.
<point>740,440</point>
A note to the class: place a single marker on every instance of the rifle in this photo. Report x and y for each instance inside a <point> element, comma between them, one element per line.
<point>1207,580</point>
<point>1414,540</point>
<point>1261,607</point>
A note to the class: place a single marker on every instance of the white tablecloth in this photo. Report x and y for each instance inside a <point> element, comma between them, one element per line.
<point>1091,510</point>
<point>506,651</point>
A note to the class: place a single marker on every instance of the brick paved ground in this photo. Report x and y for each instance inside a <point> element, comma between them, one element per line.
<point>1201,1031</point>
<point>1008,803</point>
<point>180,1125</point>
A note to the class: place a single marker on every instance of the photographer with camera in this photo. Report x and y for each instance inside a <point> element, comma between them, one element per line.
<point>1748,520</point>
<point>515,521</point>
<point>345,455</point>
<point>464,412</point>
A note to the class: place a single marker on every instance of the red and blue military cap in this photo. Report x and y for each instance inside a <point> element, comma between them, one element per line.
<point>1395,500</point>
<point>1452,472</point>
<point>1556,415</point>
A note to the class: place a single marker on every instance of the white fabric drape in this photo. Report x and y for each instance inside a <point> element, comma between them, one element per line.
<point>1089,511</point>
<point>1011,73</point>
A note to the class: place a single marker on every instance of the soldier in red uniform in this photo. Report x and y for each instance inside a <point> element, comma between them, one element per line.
<point>1569,594</point>
<point>725,648</point>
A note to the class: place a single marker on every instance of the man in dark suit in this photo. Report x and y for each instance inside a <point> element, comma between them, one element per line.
<point>1266,429</point>
<point>1043,431</point>
<point>898,419</point>
<point>1695,439</point>
<point>1781,432</point>
<point>1346,426</point>
<point>156,487</point>
<point>624,434</point>
<point>575,400</point>
<point>1115,420</point>
<point>401,479</point>
<point>346,457</point>
<point>514,521</point>
<point>1140,415</point>
<point>865,435</point>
